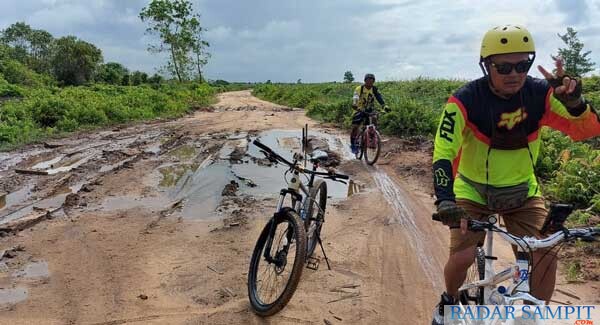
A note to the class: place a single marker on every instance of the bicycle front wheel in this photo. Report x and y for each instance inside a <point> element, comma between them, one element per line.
<point>274,273</point>
<point>372,145</point>
<point>315,214</point>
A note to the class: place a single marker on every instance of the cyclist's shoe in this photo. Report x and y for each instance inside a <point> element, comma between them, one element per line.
<point>438,312</point>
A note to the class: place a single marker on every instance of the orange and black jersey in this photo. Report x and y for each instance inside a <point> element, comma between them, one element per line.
<point>495,141</point>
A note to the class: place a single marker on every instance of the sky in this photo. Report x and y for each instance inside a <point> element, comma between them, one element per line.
<point>318,40</point>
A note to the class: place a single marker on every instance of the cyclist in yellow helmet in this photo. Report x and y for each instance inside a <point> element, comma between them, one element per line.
<point>363,102</point>
<point>486,147</point>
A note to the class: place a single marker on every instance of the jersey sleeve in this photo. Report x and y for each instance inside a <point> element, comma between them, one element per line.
<point>577,123</point>
<point>446,151</point>
<point>378,96</point>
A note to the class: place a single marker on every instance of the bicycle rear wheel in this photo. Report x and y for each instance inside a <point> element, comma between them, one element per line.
<point>315,215</point>
<point>372,145</point>
<point>476,272</point>
<point>271,284</point>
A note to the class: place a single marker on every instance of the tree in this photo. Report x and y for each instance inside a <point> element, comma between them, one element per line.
<point>126,81</point>
<point>348,77</point>
<point>111,73</point>
<point>576,62</point>
<point>180,33</point>
<point>138,78</point>
<point>299,81</point>
<point>75,61</point>
<point>32,47</point>
<point>156,79</point>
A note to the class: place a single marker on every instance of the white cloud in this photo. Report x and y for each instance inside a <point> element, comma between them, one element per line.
<point>319,40</point>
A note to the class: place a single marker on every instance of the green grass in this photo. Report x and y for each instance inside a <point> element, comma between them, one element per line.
<point>36,113</point>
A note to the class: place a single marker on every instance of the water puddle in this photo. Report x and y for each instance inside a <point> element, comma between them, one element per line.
<point>171,174</point>
<point>12,296</point>
<point>50,204</point>
<point>185,152</point>
<point>48,164</point>
<point>18,197</point>
<point>238,160</point>
<point>34,270</point>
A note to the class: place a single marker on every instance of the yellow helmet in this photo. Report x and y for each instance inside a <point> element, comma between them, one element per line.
<point>507,39</point>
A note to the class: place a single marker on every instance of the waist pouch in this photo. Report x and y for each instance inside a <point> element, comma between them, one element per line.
<point>501,198</point>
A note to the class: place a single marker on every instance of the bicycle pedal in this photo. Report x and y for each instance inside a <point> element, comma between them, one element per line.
<point>312,263</point>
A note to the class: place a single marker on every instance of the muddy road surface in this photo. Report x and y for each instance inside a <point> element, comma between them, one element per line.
<point>155,224</point>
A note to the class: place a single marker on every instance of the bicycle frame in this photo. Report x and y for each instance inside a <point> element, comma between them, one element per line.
<point>294,189</point>
<point>516,291</point>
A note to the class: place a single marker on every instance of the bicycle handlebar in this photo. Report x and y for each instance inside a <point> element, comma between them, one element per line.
<point>269,152</point>
<point>586,234</point>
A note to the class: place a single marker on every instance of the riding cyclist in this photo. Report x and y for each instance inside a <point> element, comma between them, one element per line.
<point>490,134</point>
<point>363,102</point>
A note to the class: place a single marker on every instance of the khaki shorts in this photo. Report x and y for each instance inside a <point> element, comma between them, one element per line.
<point>526,220</point>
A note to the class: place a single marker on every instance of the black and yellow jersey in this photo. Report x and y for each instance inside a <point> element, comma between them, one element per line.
<point>496,141</point>
<point>364,98</point>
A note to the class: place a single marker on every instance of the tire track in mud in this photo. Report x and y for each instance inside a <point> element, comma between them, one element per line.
<point>404,215</point>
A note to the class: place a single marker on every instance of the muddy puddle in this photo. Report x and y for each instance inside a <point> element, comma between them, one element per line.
<point>200,185</point>
<point>21,209</point>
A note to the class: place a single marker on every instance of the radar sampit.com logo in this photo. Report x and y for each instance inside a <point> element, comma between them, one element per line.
<point>522,314</point>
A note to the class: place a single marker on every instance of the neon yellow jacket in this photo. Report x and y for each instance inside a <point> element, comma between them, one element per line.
<point>496,141</point>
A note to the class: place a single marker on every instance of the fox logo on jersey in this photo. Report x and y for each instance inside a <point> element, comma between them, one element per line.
<point>509,120</point>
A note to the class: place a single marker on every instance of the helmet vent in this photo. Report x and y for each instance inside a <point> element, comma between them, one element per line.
<point>525,39</point>
<point>503,41</point>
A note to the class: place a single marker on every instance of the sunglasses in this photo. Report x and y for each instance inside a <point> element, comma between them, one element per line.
<point>507,68</point>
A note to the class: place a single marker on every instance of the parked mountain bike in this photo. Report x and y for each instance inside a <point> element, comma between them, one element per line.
<point>483,284</point>
<point>290,237</point>
<point>368,140</point>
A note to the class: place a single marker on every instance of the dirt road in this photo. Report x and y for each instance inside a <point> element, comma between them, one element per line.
<point>135,228</point>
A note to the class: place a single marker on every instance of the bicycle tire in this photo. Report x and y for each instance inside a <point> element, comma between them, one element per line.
<point>267,309</point>
<point>372,160</point>
<point>358,141</point>
<point>317,198</point>
<point>475,272</point>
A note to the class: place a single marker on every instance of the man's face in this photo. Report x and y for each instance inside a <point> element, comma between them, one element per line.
<point>369,82</point>
<point>511,83</point>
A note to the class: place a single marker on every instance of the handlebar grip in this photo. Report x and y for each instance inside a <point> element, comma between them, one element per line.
<point>341,176</point>
<point>262,146</point>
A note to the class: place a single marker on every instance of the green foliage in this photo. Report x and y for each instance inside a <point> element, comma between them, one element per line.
<point>17,73</point>
<point>111,73</point>
<point>31,47</point>
<point>44,112</point>
<point>75,61</point>
<point>180,32</point>
<point>348,77</point>
<point>577,62</point>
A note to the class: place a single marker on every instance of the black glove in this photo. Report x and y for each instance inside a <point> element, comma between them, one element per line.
<point>572,100</point>
<point>450,213</point>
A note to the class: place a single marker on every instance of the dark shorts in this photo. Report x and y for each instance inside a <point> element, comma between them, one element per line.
<point>360,117</point>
